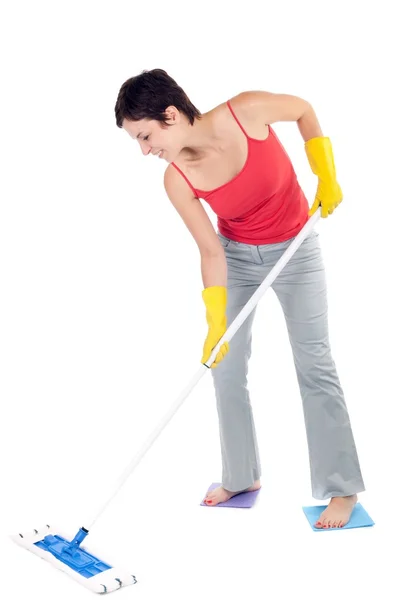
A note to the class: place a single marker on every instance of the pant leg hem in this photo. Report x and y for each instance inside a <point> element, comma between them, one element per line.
<point>241,488</point>
<point>349,491</point>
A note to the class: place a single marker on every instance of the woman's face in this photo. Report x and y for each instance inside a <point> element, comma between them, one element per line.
<point>156,138</point>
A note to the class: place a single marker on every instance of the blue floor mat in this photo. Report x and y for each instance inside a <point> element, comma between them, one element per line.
<point>359,517</point>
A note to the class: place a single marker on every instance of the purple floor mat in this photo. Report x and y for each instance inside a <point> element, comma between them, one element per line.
<point>242,500</point>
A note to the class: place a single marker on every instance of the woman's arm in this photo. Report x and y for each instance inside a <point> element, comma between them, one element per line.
<point>213,261</point>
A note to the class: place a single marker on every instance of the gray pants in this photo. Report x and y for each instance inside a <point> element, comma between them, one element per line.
<point>301,291</point>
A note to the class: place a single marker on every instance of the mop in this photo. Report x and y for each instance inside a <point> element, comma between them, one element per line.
<point>70,556</point>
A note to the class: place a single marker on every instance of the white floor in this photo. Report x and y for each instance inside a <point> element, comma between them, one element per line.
<point>102,322</point>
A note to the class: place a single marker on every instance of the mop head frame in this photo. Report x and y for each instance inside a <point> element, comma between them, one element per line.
<point>93,573</point>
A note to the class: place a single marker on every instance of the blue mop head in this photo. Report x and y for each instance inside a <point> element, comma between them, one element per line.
<point>80,564</point>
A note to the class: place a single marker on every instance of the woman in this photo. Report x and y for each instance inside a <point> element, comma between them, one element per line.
<point>232,158</point>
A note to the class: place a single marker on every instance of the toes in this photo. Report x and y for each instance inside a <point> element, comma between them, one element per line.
<point>326,523</point>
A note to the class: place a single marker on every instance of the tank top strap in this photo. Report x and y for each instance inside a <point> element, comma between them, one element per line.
<point>236,119</point>
<point>186,179</point>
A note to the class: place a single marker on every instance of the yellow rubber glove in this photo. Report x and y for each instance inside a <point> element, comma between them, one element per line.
<point>215,299</point>
<point>320,156</point>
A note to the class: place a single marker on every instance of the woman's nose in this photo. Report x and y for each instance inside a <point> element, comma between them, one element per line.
<point>146,149</point>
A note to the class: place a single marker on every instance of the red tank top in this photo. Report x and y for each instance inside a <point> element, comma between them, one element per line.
<point>264,203</point>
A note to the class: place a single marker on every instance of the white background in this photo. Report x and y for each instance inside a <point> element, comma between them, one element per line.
<point>102,322</point>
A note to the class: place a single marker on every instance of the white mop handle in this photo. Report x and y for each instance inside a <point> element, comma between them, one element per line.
<point>152,438</point>
<point>270,278</point>
<point>230,332</point>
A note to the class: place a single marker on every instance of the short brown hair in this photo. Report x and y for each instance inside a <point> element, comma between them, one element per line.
<point>147,95</point>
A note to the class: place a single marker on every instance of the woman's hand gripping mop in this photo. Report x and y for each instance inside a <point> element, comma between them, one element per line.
<point>69,556</point>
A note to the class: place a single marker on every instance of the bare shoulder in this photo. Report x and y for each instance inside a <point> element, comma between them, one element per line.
<point>249,102</point>
<point>169,175</point>
<point>264,108</point>
<point>250,98</point>
<point>250,107</point>
<point>175,185</point>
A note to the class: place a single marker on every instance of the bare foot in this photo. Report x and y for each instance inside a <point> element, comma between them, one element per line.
<point>220,494</point>
<point>337,513</point>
